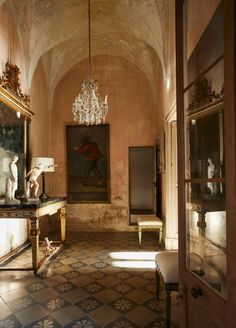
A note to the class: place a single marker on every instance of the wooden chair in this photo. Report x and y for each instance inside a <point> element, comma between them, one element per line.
<point>167,268</point>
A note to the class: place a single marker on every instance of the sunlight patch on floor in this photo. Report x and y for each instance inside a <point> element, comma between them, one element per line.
<point>134,264</point>
<point>133,259</point>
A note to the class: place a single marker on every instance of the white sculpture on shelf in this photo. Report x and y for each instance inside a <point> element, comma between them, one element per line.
<point>12,182</point>
<point>211,174</point>
<point>39,166</point>
<point>33,174</point>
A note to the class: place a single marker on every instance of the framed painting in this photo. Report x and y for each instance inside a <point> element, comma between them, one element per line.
<point>88,169</point>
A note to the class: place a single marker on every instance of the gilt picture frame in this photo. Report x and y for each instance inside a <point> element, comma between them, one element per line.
<point>88,167</point>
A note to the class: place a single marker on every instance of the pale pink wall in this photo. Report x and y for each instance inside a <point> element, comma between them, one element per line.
<point>10,45</point>
<point>132,123</point>
<point>39,129</point>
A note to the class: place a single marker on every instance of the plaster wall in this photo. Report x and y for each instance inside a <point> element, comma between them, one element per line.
<point>131,116</point>
<point>14,232</point>
<point>40,127</point>
<point>11,48</point>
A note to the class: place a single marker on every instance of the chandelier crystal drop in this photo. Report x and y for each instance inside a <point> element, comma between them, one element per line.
<point>88,107</point>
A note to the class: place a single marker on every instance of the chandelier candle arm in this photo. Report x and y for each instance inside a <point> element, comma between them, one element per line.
<point>88,107</point>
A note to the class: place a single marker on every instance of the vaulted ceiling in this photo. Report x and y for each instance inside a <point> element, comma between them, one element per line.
<point>56,31</point>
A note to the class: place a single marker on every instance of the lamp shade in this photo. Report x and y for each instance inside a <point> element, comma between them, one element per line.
<point>46,162</point>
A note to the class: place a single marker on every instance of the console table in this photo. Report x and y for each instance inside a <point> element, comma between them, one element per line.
<point>34,211</point>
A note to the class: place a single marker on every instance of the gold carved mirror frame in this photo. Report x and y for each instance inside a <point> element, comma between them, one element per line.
<point>15,117</point>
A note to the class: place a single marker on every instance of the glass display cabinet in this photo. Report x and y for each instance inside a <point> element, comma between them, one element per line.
<point>204,151</point>
<point>205,116</point>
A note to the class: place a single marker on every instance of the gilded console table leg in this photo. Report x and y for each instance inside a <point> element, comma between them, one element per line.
<point>34,234</point>
<point>63,223</point>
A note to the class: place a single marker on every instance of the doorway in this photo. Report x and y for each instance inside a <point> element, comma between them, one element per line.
<point>142,193</point>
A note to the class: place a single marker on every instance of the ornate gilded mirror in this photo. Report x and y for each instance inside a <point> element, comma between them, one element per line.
<point>14,120</point>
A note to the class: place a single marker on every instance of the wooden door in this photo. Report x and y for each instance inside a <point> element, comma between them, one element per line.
<point>206,161</point>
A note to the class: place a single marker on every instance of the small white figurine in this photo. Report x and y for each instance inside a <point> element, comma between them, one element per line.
<point>12,182</point>
<point>210,174</point>
<point>33,174</point>
<point>48,247</point>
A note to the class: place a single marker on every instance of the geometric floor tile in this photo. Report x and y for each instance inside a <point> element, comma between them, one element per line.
<point>67,314</point>
<point>55,304</point>
<point>64,287</point>
<point>107,295</point>
<point>84,322</point>
<point>46,322</point>
<point>10,322</point>
<point>97,275</point>
<point>88,284</point>
<point>141,316</point>
<point>124,275</point>
<point>123,288</point>
<point>122,305</point>
<point>21,303</point>
<point>89,304</point>
<point>100,265</point>
<point>104,315</point>
<point>94,287</point>
<point>139,295</point>
<point>71,275</point>
<point>122,322</point>
<point>36,286</point>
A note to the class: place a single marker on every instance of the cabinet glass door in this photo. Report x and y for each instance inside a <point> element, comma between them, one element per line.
<point>204,142</point>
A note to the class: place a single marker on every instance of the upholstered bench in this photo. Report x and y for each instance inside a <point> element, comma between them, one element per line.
<point>149,223</point>
<point>167,267</point>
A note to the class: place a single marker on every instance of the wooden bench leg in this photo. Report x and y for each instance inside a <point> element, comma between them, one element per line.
<point>160,235</point>
<point>168,308</point>
<point>140,235</point>
<point>158,283</point>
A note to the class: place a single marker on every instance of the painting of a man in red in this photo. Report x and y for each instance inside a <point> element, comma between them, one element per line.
<point>92,152</point>
<point>88,169</point>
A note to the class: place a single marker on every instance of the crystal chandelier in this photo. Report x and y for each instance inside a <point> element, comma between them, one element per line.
<point>88,107</point>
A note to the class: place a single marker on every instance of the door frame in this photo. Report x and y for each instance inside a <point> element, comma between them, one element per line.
<point>171,239</point>
<point>154,184</point>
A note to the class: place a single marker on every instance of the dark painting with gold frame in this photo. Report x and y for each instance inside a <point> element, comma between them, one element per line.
<point>88,170</point>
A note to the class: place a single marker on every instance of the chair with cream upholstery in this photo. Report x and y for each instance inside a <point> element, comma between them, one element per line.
<point>167,268</point>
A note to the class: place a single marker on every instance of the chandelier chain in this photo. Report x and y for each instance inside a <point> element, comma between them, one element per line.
<point>89,39</point>
<point>88,107</point>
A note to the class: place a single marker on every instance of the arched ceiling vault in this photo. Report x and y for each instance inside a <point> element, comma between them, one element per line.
<point>56,31</point>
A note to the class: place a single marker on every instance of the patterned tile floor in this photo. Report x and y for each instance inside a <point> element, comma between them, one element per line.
<point>98,280</point>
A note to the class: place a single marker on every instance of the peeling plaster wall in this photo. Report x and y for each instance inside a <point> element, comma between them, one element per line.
<point>131,117</point>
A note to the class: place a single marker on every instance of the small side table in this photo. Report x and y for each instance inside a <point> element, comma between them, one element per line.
<point>34,212</point>
<point>149,223</point>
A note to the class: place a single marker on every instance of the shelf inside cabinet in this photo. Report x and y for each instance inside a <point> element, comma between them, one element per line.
<point>207,109</point>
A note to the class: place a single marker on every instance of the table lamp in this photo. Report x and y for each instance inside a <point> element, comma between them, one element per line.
<point>47,164</point>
